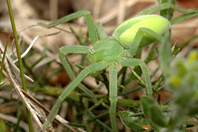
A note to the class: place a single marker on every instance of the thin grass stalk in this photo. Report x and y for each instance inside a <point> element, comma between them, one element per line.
<point>19,58</point>
<point>4,54</point>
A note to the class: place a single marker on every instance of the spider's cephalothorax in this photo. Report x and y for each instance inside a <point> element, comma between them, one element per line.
<point>107,49</point>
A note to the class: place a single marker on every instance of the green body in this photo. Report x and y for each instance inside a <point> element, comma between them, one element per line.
<point>110,51</point>
<point>107,49</point>
<point>127,31</point>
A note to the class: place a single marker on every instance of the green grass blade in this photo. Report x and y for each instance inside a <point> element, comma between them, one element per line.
<point>4,54</point>
<point>19,58</point>
<point>167,13</point>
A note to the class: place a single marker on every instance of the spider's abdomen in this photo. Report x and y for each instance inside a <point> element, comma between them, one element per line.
<point>126,32</point>
<point>107,49</point>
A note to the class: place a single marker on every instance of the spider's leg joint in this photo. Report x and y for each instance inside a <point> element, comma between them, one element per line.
<point>91,50</point>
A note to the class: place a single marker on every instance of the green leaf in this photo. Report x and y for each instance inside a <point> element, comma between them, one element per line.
<point>165,53</point>
<point>156,116</point>
<point>146,101</point>
<point>131,121</point>
<point>153,112</point>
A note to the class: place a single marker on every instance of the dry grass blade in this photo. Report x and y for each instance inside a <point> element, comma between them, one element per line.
<point>30,46</point>
<point>11,77</point>
<point>14,67</point>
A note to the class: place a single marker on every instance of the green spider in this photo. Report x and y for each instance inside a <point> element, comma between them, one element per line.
<point>119,48</point>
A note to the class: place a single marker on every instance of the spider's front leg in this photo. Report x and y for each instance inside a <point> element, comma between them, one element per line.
<point>88,18</point>
<point>75,49</point>
<point>91,68</point>
<point>188,13</point>
<point>165,6</point>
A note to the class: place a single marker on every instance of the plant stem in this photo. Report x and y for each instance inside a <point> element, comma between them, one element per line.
<point>19,58</point>
<point>4,54</point>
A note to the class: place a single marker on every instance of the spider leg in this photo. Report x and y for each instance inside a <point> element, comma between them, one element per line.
<point>88,18</point>
<point>100,31</point>
<point>113,92</point>
<point>138,62</point>
<point>89,69</point>
<point>189,13</point>
<point>138,38</point>
<point>165,6</point>
<point>65,62</point>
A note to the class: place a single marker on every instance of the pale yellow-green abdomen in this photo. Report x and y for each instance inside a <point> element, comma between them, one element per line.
<point>126,32</point>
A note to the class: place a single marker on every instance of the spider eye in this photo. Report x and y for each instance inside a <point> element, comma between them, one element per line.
<point>91,50</point>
